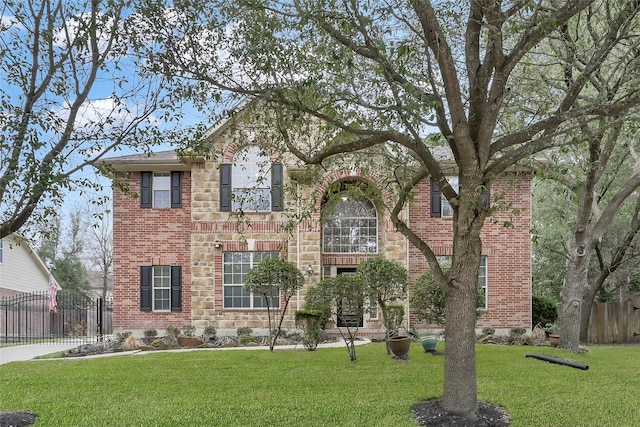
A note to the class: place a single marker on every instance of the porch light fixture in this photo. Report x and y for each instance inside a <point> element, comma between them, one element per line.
<point>217,244</point>
<point>310,270</point>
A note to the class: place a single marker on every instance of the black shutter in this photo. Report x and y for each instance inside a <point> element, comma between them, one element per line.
<point>277,203</point>
<point>176,189</point>
<point>436,197</point>
<point>145,288</point>
<point>485,198</point>
<point>176,288</point>
<point>146,181</point>
<point>225,187</point>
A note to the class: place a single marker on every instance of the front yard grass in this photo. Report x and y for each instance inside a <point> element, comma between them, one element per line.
<point>321,388</point>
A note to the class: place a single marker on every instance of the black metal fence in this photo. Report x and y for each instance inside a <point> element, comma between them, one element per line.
<point>28,319</point>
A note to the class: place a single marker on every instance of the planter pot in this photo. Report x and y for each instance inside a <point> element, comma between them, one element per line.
<point>554,340</point>
<point>429,343</point>
<point>399,346</point>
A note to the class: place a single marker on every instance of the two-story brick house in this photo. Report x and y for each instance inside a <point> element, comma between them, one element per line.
<point>182,248</point>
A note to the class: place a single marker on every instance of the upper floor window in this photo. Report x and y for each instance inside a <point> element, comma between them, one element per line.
<point>251,183</point>
<point>1,250</point>
<point>161,288</point>
<point>440,206</point>
<point>161,189</point>
<point>235,267</point>
<point>445,206</point>
<point>349,226</point>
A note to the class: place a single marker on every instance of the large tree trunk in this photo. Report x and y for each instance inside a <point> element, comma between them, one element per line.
<point>460,385</point>
<point>572,295</point>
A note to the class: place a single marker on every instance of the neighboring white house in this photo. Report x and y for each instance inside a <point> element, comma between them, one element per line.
<point>21,269</point>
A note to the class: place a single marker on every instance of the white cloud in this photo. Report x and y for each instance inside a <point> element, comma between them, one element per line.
<point>102,115</point>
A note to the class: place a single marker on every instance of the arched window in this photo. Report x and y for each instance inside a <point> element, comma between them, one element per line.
<point>349,226</point>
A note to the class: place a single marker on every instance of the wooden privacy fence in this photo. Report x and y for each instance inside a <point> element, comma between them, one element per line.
<point>615,322</point>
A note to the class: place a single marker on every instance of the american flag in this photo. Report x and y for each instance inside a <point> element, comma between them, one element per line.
<point>53,291</point>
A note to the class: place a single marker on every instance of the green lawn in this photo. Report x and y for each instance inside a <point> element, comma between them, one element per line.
<point>321,388</point>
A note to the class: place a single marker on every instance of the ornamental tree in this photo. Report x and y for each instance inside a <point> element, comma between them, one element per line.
<point>385,282</point>
<point>276,281</point>
<point>343,297</point>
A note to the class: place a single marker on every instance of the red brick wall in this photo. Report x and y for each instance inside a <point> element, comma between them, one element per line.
<point>508,250</point>
<point>149,237</point>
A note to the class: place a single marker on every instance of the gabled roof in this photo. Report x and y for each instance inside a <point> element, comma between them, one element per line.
<point>160,160</point>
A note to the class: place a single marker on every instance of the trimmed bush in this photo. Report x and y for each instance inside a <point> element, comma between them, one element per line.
<point>310,321</point>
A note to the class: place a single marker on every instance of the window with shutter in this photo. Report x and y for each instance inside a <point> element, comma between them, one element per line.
<point>251,183</point>
<point>161,189</point>
<point>160,288</point>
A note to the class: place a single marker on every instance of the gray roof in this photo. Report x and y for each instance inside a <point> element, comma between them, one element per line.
<point>149,161</point>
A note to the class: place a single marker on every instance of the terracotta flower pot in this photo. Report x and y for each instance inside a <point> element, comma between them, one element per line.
<point>554,340</point>
<point>399,346</point>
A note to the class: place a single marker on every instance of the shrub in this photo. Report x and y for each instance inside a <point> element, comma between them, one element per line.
<point>310,321</point>
<point>244,330</point>
<point>487,331</point>
<point>428,300</point>
<point>210,331</point>
<point>517,332</point>
<point>395,316</point>
<point>150,334</point>
<point>189,330</point>
<point>122,336</point>
<point>544,310</point>
<point>172,331</point>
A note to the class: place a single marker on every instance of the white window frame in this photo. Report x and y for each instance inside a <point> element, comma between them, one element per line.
<point>251,181</point>
<point>332,243</point>
<point>235,272</point>
<point>161,287</point>
<point>483,275</point>
<point>161,188</point>
<point>446,210</point>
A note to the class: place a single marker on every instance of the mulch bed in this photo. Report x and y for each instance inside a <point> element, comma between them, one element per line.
<point>430,413</point>
<point>17,418</point>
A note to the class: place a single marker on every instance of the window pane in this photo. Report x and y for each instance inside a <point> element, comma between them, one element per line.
<point>161,199</point>
<point>349,226</point>
<point>236,265</point>
<point>161,287</point>
<point>161,190</point>
<point>251,180</point>
<point>445,206</point>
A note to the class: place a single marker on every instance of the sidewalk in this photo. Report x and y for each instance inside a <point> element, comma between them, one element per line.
<point>28,352</point>
<point>31,351</point>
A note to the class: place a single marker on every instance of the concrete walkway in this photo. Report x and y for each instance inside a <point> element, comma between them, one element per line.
<point>29,352</point>
<point>17,353</point>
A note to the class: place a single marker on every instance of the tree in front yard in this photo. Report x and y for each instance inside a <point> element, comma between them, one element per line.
<point>387,85</point>
<point>343,298</point>
<point>385,282</point>
<point>275,280</point>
